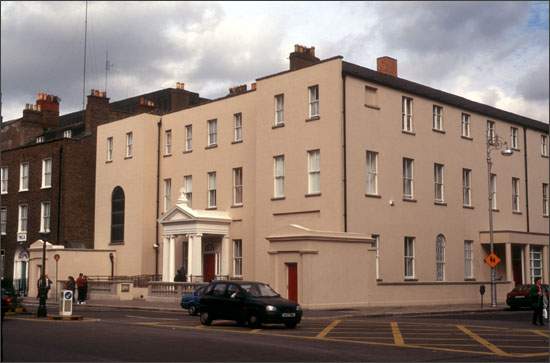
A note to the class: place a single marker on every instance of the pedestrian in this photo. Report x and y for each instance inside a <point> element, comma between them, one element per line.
<point>48,285</point>
<point>536,295</point>
<point>71,285</point>
<point>80,286</point>
<point>85,289</point>
<point>180,275</point>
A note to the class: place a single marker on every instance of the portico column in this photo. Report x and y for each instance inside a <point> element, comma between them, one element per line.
<point>194,256</point>
<point>165,252</point>
<point>527,263</point>
<point>226,256</point>
<point>172,261</point>
<point>509,276</point>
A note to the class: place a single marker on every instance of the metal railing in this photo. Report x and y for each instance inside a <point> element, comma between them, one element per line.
<point>172,289</point>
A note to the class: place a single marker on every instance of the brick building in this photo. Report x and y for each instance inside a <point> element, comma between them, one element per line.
<point>48,170</point>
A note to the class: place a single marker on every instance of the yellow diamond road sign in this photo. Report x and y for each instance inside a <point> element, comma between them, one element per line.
<point>492,260</point>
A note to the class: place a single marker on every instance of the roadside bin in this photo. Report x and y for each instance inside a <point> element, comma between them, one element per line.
<point>66,305</point>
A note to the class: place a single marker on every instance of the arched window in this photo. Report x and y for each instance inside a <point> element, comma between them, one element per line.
<point>440,257</point>
<point>117,215</point>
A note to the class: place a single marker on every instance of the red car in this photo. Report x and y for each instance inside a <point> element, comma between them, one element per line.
<point>519,296</point>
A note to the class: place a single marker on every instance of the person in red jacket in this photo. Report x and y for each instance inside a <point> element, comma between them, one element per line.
<point>81,286</point>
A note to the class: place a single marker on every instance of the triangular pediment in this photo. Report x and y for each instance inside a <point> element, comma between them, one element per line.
<point>178,213</point>
<point>183,213</point>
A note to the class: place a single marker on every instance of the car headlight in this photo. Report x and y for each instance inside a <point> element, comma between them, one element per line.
<point>298,308</point>
<point>270,308</point>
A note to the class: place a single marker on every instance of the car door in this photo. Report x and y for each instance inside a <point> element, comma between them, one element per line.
<point>217,299</point>
<point>234,303</point>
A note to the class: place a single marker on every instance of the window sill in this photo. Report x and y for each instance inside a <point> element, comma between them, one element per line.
<point>278,198</point>
<point>211,208</point>
<point>282,124</point>
<point>213,146</point>
<point>545,216</point>
<point>128,157</point>
<point>379,280</point>
<point>516,149</point>
<point>23,190</point>
<point>469,279</point>
<point>313,118</point>
<point>410,200</point>
<point>516,212</point>
<point>496,210</point>
<point>108,161</point>
<point>544,156</point>
<point>49,187</point>
<point>467,137</point>
<point>373,107</point>
<point>439,131</point>
<point>44,232</point>
<point>237,206</point>
<point>4,193</point>
<point>237,142</point>
<point>309,195</point>
<point>441,204</point>
<point>116,243</point>
<point>412,133</point>
<point>468,207</point>
<point>373,195</point>
<point>410,279</point>
<point>166,155</point>
<point>187,151</point>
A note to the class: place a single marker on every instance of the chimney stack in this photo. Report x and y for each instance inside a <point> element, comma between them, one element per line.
<point>387,65</point>
<point>45,111</point>
<point>97,109</point>
<point>302,57</point>
<point>237,90</point>
<point>180,85</point>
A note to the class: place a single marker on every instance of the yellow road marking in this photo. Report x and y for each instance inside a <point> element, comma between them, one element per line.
<point>328,328</point>
<point>493,348</point>
<point>255,331</point>
<point>541,333</point>
<point>397,337</point>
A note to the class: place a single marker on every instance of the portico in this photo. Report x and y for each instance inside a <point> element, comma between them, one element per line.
<point>197,241</point>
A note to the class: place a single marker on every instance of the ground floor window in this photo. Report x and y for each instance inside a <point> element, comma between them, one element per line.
<point>237,257</point>
<point>535,257</point>
<point>440,258</point>
<point>409,257</point>
<point>377,246</point>
<point>468,260</point>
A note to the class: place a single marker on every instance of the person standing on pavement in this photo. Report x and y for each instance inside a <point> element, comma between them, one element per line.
<point>85,289</point>
<point>536,295</point>
<point>80,286</point>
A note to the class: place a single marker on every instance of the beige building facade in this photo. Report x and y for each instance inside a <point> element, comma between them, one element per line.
<point>337,184</point>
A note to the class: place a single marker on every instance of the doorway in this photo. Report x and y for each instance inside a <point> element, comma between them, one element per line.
<point>292,281</point>
<point>209,266</point>
<point>517,264</point>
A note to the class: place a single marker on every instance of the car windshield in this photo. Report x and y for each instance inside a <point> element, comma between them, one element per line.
<point>259,290</point>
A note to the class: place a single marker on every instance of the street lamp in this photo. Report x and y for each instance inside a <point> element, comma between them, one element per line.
<point>42,312</point>
<point>494,142</point>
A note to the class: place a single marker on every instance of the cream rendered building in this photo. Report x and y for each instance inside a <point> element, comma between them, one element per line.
<point>338,185</point>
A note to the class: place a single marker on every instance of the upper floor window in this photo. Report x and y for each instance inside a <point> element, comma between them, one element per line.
<point>109,149</point>
<point>67,134</point>
<point>493,193</point>
<point>467,187</point>
<point>24,177</point>
<point>40,139</point>
<point>313,101</point>
<point>372,173</point>
<point>279,176</point>
<point>237,186</point>
<point>23,216</point>
<point>371,97</point>
<point>465,125</point>
<point>406,111</point>
<point>167,194</point>
<point>514,142</point>
<point>440,258</point>
<point>46,173</point>
<point>490,130</point>
<point>3,220</point>
<point>279,109</point>
<point>188,188</point>
<point>544,145</point>
<point>545,203</point>
<point>409,258</point>
<point>212,132</point>
<point>515,194</point>
<point>212,189</point>
<point>237,257</point>
<point>168,142</point>
<point>238,127</point>
<point>188,137</point>
<point>438,118</point>
<point>4,179</point>
<point>117,215</point>
<point>129,144</point>
<point>408,178</point>
<point>439,190</point>
<point>45,217</point>
<point>314,171</point>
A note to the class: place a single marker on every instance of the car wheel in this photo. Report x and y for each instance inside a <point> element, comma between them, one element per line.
<point>291,324</point>
<point>192,310</point>
<point>254,321</point>
<point>205,319</point>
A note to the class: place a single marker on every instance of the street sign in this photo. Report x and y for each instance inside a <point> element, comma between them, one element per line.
<point>492,260</point>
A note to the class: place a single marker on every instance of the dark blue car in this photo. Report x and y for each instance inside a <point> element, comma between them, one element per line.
<point>191,301</point>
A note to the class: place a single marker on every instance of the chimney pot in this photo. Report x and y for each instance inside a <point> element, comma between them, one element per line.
<point>387,65</point>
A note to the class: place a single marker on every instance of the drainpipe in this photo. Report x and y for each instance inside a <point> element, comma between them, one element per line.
<point>159,127</point>
<point>526,177</point>
<point>344,153</point>
<point>59,193</point>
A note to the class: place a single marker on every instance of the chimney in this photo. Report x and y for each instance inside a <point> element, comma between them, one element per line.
<point>45,111</point>
<point>302,57</point>
<point>237,90</point>
<point>387,65</point>
<point>180,85</point>
<point>97,109</point>
<point>145,106</point>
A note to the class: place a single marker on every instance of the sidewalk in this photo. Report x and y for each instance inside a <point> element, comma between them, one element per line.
<point>332,313</point>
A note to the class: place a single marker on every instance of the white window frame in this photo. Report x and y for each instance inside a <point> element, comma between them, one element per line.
<point>212,132</point>
<point>167,194</point>
<point>212,197</point>
<point>515,194</point>
<point>110,148</point>
<point>314,171</point>
<point>466,118</point>
<point>168,142</point>
<point>468,259</point>
<point>24,176</point>
<point>45,217</point>
<point>238,127</point>
<point>439,183</point>
<point>68,134</point>
<point>376,238</point>
<point>437,118</point>
<point>545,199</point>
<point>279,110</point>
<point>406,114</point>
<point>23,218</point>
<point>544,145</point>
<point>47,174</point>
<point>4,180</point>
<point>409,258</point>
<point>189,138</point>
<point>408,178</point>
<point>535,263</point>
<point>279,176</point>
<point>491,130</point>
<point>238,186</point>
<point>514,138</point>
<point>440,258</point>
<point>372,172</point>
<point>494,191</point>
<point>467,187</point>
<point>3,220</point>
<point>237,257</point>
<point>188,188</point>
<point>129,144</point>
<point>314,104</point>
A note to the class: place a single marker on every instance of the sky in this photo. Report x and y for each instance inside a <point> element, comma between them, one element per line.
<point>491,52</point>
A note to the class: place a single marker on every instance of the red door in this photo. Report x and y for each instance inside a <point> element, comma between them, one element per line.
<point>208,267</point>
<point>292,281</point>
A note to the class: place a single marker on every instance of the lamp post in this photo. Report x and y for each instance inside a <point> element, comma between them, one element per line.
<point>494,142</point>
<point>42,311</point>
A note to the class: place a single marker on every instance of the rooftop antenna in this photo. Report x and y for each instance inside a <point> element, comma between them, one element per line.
<point>107,68</point>
<point>85,39</point>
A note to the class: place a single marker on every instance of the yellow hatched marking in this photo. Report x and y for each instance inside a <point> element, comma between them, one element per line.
<point>328,328</point>
<point>541,333</point>
<point>397,337</point>
<point>493,348</point>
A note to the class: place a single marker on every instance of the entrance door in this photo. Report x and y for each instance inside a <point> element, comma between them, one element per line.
<point>209,266</point>
<point>292,281</point>
<point>517,264</point>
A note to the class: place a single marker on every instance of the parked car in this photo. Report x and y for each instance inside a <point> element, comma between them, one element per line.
<point>191,301</point>
<point>249,302</point>
<point>519,296</point>
<point>9,297</point>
